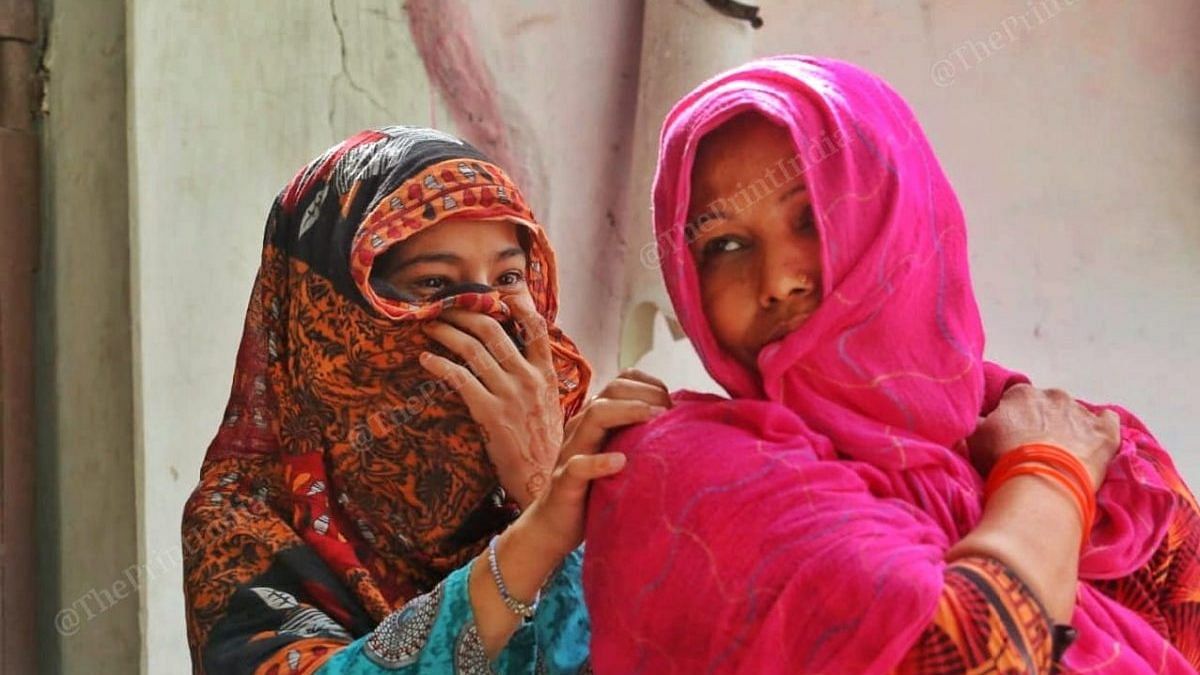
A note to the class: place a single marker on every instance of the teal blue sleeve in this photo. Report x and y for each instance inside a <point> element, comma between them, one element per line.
<point>563,628</point>
<point>435,633</point>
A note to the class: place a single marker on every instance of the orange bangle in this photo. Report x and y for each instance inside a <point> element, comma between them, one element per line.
<point>1032,469</point>
<point>1053,463</point>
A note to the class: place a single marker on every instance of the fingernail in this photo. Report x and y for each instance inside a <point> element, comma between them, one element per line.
<point>616,460</point>
<point>423,357</point>
<point>656,410</point>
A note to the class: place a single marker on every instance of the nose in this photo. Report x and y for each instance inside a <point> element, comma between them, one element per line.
<point>476,273</point>
<point>785,278</point>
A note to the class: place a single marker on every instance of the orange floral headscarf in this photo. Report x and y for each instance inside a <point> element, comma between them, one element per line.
<point>341,464</point>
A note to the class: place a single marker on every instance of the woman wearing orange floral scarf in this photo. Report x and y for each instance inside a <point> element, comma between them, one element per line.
<point>392,488</point>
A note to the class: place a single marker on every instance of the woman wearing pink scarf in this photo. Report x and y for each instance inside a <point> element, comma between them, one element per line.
<point>828,516</point>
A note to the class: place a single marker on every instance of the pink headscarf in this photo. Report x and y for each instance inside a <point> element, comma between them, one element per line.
<point>802,525</point>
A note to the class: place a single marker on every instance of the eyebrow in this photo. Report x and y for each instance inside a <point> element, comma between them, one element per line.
<point>510,252</point>
<point>799,188</point>
<point>439,257</point>
<point>706,215</point>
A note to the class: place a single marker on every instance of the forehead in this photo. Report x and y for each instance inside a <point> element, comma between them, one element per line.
<point>739,152</point>
<point>464,236</point>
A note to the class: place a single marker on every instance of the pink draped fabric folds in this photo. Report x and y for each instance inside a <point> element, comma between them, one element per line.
<point>800,526</point>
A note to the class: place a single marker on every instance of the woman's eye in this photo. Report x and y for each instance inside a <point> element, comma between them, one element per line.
<point>808,221</point>
<point>430,283</point>
<point>509,279</point>
<point>722,245</point>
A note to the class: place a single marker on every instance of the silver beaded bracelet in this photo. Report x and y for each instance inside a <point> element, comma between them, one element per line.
<point>521,609</point>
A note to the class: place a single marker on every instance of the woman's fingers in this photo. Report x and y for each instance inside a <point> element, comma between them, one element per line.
<point>639,376</point>
<point>588,429</point>
<point>572,478</point>
<point>536,331</point>
<point>1027,415</point>
<point>480,402</point>
<point>1111,423</point>
<point>489,333</point>
<point>635,390</point>
<point>477,357</point>
<point>561,509</point>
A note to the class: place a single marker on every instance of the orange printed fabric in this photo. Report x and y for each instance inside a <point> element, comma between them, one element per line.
<point>1166,590</point>
<point>987,621</point>
<point>342,480</point>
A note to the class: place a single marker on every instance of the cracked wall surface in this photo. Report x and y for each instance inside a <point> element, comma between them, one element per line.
<point>228,99</point>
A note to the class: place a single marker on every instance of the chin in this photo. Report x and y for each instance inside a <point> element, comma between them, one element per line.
<point>748,359</point>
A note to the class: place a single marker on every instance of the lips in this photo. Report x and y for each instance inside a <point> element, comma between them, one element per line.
<point>782,330</point>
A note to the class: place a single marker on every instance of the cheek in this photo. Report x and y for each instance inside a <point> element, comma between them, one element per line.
<point>520,290</point>
<point>812,253</point>
<point>729,303</point>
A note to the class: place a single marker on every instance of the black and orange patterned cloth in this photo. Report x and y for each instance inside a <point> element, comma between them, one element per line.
<point>344,480</point>
<point>988,621</point>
